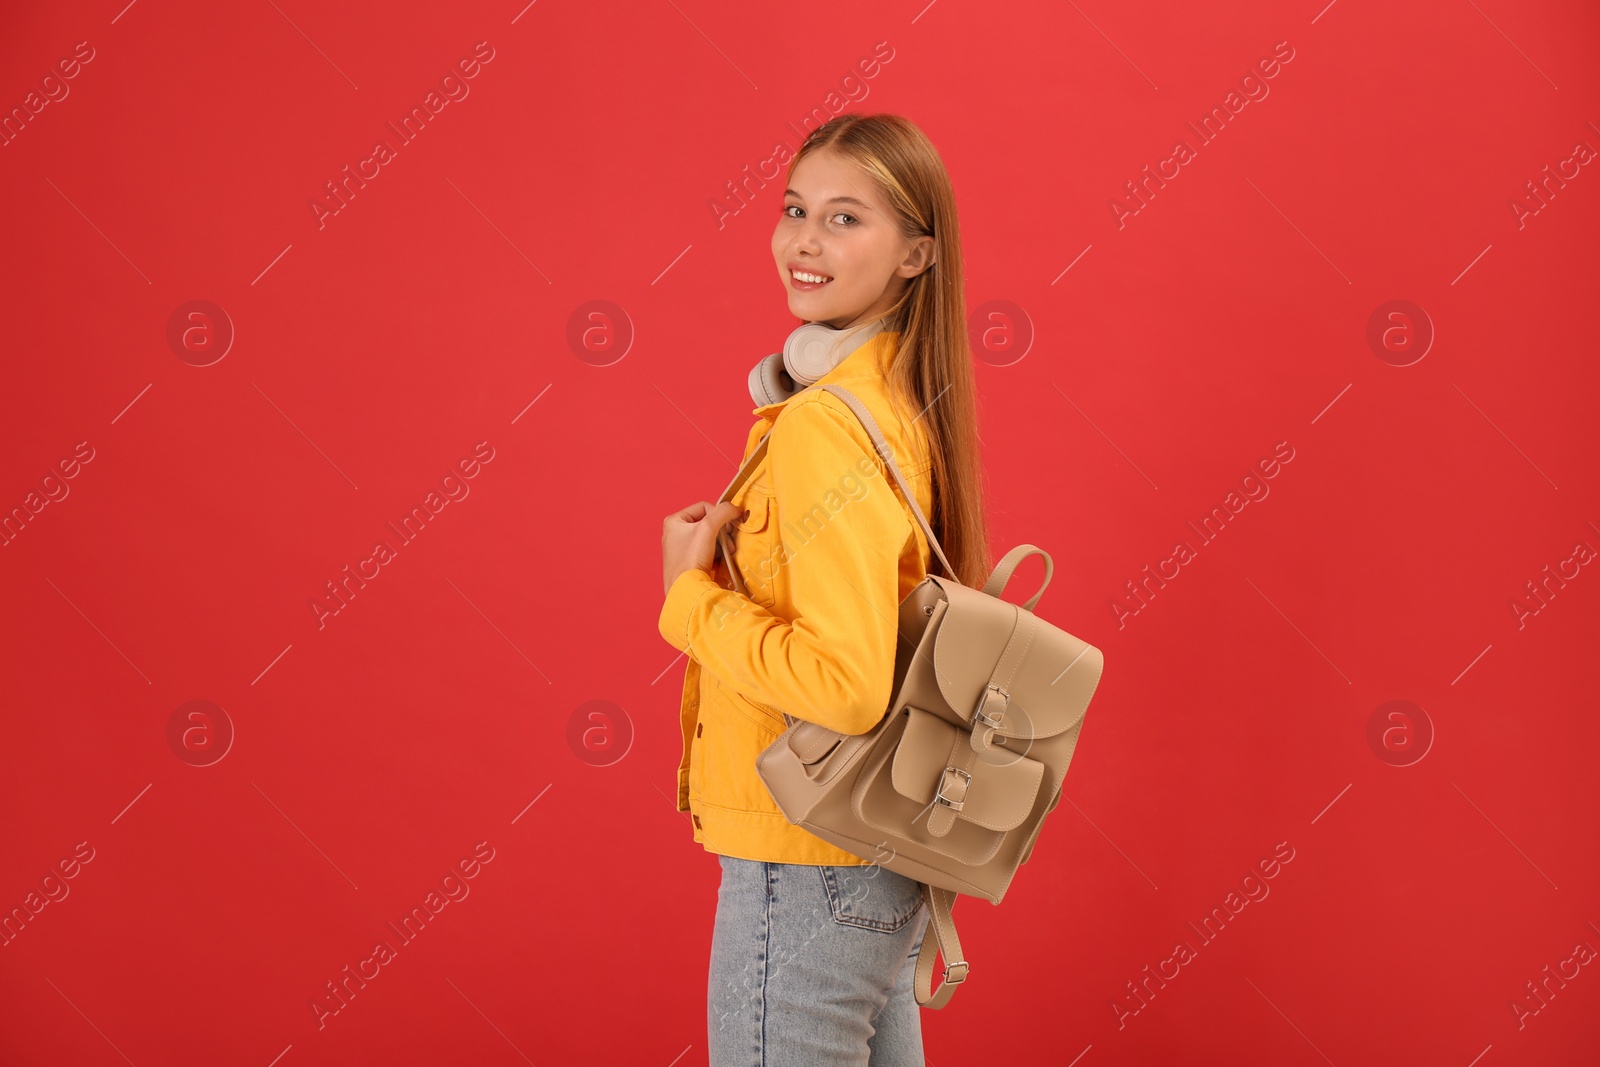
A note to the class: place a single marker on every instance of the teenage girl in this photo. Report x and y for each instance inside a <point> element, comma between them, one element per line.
<point>814,948</point>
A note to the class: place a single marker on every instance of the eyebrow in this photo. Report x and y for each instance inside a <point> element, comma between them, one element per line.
<point>833,200</point>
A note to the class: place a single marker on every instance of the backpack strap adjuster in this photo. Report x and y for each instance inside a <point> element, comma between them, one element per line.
<point>953,790</point>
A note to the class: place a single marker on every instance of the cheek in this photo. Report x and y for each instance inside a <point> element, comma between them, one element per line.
<point>861,274</point>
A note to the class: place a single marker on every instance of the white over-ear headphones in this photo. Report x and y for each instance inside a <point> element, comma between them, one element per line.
<point>810,352</point>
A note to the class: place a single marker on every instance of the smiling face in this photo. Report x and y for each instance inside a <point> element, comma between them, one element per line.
<point>837,233</point>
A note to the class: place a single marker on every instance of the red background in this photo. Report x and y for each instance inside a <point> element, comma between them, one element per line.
<point>446,703</point>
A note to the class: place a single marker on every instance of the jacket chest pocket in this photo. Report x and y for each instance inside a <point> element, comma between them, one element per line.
<point>755,544</point>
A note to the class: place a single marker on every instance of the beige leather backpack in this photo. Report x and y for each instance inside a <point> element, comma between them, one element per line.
<point>952,786</point>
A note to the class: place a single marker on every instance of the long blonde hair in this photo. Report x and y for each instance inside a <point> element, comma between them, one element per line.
<point>932,369</point>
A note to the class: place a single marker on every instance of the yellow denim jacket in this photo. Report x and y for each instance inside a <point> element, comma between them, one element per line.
<point>827,552</point>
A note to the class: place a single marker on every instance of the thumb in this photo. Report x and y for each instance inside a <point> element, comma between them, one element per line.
<point>723,513</point>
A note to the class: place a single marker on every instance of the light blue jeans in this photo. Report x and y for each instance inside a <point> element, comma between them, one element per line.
<point>813,967</point>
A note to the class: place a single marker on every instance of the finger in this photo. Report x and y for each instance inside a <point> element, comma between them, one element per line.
<point>693,513</point>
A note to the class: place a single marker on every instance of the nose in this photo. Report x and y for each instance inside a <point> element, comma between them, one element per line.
<point>808,237</point>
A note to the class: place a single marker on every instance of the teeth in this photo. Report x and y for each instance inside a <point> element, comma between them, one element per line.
<point>802,276</point>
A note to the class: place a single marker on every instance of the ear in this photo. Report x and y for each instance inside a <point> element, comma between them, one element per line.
<point>919,257</point>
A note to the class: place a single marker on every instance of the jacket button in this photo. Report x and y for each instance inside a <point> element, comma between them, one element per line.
<point>698,727</point>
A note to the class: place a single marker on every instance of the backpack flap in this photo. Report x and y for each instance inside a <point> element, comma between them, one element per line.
<point>1006,672</point>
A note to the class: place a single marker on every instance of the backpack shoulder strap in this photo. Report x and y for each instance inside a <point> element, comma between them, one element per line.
<point>887,456</point>
<point>941,930</point>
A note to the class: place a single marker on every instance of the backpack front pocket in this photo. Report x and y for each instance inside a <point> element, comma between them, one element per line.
<point>956,801</point>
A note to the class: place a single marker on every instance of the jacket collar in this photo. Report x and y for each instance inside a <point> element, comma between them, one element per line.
<point>872,359</point>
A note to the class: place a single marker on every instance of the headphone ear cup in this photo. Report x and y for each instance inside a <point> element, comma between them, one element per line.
<point>766,384</point>
<point>811,351</point>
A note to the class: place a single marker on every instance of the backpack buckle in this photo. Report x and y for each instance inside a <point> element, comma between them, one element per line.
<point>958,788</point>
<point>991,692</point>
<point>955,979</point>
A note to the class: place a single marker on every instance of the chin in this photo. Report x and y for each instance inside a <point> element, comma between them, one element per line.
<point>806,311</point>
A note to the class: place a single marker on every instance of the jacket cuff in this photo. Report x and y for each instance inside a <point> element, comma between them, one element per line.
<point>683,596</point>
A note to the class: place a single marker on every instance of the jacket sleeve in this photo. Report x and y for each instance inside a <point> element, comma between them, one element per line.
<point>830,658</point>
